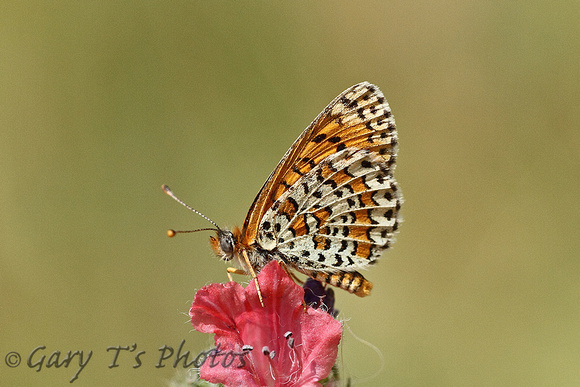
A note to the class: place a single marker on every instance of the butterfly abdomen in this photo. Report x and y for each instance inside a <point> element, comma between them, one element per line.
<point>352,282</point>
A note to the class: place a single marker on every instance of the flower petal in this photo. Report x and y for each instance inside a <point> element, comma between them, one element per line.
<point>300,344</point>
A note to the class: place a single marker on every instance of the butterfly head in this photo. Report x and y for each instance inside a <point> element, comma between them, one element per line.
<point>225,243</point>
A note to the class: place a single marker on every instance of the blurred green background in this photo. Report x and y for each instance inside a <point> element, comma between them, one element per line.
<point>102,102</point>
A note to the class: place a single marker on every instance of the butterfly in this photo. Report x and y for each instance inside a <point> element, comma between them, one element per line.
<point>331,205</point>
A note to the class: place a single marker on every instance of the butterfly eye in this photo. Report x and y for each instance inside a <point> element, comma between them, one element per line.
<point>226,240</point>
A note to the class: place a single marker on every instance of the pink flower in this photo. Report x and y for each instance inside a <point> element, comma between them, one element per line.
<point>280,344</point>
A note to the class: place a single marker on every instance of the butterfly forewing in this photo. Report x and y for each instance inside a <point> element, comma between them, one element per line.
<point>358,119</point>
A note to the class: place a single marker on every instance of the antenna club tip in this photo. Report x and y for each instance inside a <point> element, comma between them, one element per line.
<point>171,233</point>
<point>166,189</point>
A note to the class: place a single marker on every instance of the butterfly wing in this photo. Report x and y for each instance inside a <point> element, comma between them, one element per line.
<point>340,215</point>
<point>359,119</point>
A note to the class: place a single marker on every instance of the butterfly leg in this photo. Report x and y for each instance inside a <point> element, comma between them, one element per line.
<point>295,279</point>
<point>353,282</point>
<point>291,274</point>
<point>254,276</point>
<point>234,270</point>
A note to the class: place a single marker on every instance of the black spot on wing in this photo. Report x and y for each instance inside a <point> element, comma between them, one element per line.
<point>338,258</point>
<point>350,104</point>
<point>293,203</point>
<point>298,171</point>
<point>306,225</point>
<point>350,261</point>
<point>309,161</point>
<point>369,215</point>
<point>348,173</point>
<point>317,219</point>
<point>331,182</point>
<point>328,210</point>
<point>319,138</point>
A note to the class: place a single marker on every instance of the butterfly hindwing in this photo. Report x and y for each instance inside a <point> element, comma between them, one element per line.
<point>339,216</point>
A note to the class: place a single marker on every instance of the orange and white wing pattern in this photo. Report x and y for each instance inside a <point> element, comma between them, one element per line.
<point>331,205</point>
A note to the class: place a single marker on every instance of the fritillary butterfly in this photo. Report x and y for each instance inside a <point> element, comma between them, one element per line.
<point>331,205</point>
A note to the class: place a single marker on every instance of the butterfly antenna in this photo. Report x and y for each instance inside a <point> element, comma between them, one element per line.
<point>171,233</point>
